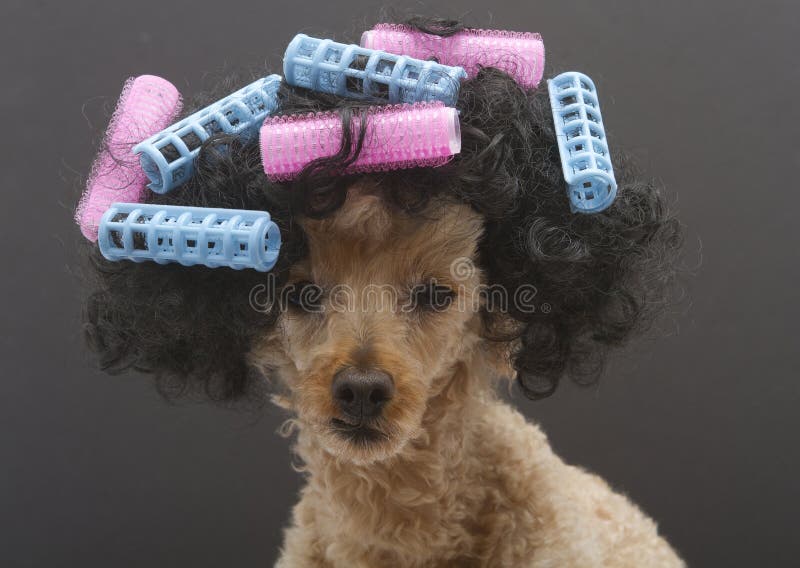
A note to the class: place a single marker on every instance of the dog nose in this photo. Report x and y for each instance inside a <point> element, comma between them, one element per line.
<point>362,393</point>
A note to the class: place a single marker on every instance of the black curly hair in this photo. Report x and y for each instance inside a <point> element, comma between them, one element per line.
<point>604,275</point>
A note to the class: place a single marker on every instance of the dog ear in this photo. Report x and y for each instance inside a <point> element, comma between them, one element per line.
<point>599,279</point>
<point>189,326</point>
<point>193,327</point>
<point>589,281</point>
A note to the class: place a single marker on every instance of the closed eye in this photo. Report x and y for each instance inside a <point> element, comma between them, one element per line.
<point>304,296</point>
<point>432,296</point>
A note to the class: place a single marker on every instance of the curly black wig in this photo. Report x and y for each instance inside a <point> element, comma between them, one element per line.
<point>604,275</point>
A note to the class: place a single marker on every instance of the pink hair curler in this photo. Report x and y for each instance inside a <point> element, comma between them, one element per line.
<point>519,54</point>
<point>147,105</point>
<point>398,136</point>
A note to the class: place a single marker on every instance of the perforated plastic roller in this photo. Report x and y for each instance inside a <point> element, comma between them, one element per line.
<point>356,72</point>
<point>399,136</point>
<point>519,54</point>
<point>582,142</point>
<point>168,157</point>
<point>189,236</point>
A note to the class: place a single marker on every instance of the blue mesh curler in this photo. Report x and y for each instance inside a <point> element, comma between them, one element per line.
<point>189,236</point>
<point>357,72</point>
<point>168,157</point>
<point>582,142</point>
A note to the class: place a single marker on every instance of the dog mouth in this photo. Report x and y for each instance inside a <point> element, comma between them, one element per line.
<point>361,434</point>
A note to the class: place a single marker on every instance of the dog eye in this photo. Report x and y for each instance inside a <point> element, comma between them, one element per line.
<point>432,296</point>
<point>305,296</point>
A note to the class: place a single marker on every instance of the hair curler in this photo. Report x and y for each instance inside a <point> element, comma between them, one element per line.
<point>400,136</point>
<point>519,54</point>
<point>147,104</point>
<point>356,72</point>
<point>582,142</point>
<point>189,236</point>
<point>168,157</point>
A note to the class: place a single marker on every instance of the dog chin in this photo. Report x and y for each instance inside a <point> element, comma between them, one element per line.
<point>362,444</point>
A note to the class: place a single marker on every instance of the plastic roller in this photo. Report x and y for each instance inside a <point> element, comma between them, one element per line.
<point>398,136</point>
<point>582,144</point>
<point>520,54</point>
<point>147,104</point>
<point>356,72</point>
<point>168,157</point>
<point>189,236</point>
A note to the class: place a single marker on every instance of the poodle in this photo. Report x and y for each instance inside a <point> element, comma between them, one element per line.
<point>401,304</point>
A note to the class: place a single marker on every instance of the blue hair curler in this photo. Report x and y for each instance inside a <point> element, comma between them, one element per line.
<point>357,72</point>
<point>189,236</point>
<point>582,142</point>
<point>168,157</point>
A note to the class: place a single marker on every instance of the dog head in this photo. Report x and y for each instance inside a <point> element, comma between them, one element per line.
<point>374,320</point>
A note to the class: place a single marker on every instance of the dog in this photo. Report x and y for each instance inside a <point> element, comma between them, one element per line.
<point>411,458</point>
<point>402,302</point>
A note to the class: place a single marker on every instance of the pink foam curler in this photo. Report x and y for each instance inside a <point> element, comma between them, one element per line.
<point>519,54</point>
<point>147,105</point>
<point>399,136</point>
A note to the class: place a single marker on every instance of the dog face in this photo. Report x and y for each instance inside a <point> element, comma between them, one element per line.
<point>377,317</point>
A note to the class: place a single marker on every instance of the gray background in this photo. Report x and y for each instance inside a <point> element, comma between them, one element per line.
<point>697,424</point>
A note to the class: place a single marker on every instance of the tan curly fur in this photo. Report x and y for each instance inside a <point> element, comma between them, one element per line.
<point>460,478</point>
